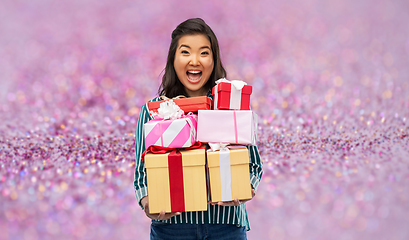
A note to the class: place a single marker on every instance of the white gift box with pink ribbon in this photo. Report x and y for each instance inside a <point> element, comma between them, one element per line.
<point>227,126</point>
<point>170,127</point>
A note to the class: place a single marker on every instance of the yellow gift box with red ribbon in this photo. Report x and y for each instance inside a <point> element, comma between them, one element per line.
<point>177,181</point>
<point>229,174</point>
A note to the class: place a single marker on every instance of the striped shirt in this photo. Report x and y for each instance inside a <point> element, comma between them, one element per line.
<point>215,214</point>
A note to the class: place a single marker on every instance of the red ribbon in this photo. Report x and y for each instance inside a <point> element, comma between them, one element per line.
<point>177,193</point>
<point>175,168</point>
<point>163,150</point>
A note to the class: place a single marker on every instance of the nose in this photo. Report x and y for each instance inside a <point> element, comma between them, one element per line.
<point>194,61</point>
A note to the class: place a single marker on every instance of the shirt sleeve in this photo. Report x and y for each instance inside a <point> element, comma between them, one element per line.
<point>140,182</point>
<point>256,168</point>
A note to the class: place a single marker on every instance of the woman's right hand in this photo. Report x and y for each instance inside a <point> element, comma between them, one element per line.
<point>161,216</point>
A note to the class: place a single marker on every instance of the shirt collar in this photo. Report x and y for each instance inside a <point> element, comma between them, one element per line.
<point>209,94</point>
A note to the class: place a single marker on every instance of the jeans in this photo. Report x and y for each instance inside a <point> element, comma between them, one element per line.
<point>164,231</point>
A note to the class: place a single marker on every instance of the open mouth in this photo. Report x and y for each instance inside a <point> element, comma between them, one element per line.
<point>194,76</point>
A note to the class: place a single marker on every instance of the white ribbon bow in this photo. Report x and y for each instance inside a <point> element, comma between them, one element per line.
<point>218,146</point>
<point>223,147</point>
<point>238,84</point>
<point>168,110</point>
<point>235,93</point>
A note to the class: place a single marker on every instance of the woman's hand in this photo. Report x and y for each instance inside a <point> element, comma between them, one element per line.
<point>161,216</point>
<point>235,202</point>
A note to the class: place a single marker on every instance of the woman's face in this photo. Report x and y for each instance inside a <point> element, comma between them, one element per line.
<point>194,63</point>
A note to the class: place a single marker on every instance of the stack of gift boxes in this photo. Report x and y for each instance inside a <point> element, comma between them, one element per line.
<point>176,160</point>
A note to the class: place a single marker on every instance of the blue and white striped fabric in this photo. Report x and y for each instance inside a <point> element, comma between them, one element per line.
<point>215,214</point>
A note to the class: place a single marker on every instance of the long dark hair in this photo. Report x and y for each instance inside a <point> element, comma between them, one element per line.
<point>171,86</point>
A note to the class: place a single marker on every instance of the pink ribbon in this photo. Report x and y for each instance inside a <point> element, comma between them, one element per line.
<point>235,127</point>
<point>161,134</point>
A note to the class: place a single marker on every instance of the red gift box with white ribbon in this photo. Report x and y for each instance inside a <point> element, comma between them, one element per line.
<point>231,95</point>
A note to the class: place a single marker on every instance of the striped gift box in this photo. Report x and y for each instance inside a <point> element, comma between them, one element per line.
<point>177,133</point>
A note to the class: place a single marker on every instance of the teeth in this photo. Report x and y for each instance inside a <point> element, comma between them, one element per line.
<point>193,72</point>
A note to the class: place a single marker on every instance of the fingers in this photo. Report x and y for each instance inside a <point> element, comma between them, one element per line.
<point>161,215</point>
<point>165,216</point>
<point>173,214</point>
<point>152,216</point>
<point>235,202</point>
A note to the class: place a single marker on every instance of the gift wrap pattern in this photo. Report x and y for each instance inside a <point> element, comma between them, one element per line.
<point>171,133</point>
<point>227,126</point>
<point>229,175</point>
<point>177,181</point>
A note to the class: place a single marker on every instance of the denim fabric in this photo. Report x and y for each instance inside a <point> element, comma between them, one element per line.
<point>186,231</point>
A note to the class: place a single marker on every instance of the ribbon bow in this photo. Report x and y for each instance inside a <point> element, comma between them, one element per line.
<point>223,147</point>
<point>238,84</point>
<point>163,150</point>
<point>168,110</point>
<point>218,146</point>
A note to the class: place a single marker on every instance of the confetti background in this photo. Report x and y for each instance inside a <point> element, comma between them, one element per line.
<point>330,84</point>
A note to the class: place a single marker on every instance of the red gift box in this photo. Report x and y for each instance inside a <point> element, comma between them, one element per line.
<point>225,91</point>
<point>192,104</point>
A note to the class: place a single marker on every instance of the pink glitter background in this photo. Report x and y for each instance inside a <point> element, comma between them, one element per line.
<point>330,84</point>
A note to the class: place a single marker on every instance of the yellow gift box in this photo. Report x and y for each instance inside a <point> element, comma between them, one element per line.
<point>177,181</point>
<point>229,174</point>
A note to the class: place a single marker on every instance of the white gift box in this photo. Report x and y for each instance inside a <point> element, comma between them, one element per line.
<point>227,126</point>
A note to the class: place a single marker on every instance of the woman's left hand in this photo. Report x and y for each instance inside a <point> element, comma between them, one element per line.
<point>235,202</point>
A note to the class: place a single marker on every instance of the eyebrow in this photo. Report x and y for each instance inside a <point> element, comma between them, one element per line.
<point>186,46</point>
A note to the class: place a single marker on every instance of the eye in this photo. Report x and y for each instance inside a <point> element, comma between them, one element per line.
<point>184,52</point>
<point>205,53</point>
